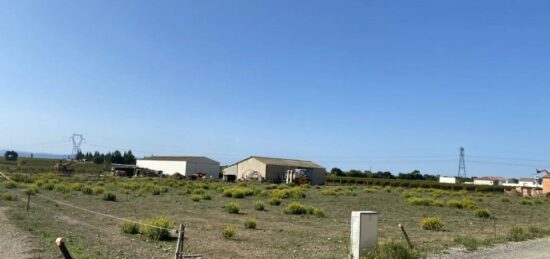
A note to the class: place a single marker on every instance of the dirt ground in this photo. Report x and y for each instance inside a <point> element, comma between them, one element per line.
<point>14,243</point>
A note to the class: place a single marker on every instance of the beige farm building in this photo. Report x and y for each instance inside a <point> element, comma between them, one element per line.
<point>184,165</point>
<point>273,170</point>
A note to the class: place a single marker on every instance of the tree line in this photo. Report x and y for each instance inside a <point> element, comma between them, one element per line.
<point>115,157</point>
<point>414,175</point>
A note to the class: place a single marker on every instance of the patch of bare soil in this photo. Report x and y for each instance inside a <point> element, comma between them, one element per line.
<point>15,243</point>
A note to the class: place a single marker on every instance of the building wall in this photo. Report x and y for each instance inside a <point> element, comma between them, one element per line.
<point>546,185</point>
<point>212,170</point>
<point>230,170</point>
<point>529,184</point>
<point>443,179</point>
<point>483,182</point>
<point>167,167</point>
<point>277,173</point>
<point>318,177</point>
<point>250,164</point>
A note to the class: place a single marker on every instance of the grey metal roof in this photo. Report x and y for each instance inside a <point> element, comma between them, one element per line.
<point>287,162</point>
<point>181,158</point>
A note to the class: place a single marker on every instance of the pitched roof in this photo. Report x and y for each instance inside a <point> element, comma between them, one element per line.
<point>180,158</point>
<point>285,162</point>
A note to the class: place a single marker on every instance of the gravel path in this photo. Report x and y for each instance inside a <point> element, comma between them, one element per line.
<point>13,242</point>
<point>532,249</point>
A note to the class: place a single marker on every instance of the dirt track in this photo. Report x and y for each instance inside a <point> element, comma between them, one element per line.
<point>14,243</point>
<point>533,249</point>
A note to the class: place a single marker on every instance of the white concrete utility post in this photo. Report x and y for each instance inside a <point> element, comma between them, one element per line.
<point>364,233</point>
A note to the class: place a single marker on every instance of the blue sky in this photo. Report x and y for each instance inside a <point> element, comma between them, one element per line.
<point>381,85</point>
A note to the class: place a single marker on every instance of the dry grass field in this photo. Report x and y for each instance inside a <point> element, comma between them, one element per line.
<point>322,232</point>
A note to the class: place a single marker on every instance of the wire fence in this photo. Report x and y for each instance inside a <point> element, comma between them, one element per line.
<point>88,210</point>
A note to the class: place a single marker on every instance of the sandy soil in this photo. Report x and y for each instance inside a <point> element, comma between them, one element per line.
<point>14,243</point>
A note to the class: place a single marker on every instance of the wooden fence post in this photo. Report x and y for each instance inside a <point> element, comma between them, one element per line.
<point>406,236</point>
<point>28,201</point>
<point>61,244</point>
<point>179,246</point>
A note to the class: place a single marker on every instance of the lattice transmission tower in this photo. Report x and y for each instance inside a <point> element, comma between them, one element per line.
<point>461,164</point>
<point>77,141</point>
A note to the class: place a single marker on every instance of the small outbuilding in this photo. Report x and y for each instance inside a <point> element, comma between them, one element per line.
<point>447,179</point>
<point>276,170</point>
<point>184,165</point>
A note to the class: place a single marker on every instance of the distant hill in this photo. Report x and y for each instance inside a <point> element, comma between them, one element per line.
<point>37,155</point>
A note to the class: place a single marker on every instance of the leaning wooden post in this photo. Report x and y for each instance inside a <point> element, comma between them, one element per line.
<point>406,236</point>
<point>179,247</point>
<point>28,201</point>
<point>61,244</point>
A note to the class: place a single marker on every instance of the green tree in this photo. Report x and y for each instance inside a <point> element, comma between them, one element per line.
<point>129,158</point>
<point>11,155</point>
<point>337,171</point>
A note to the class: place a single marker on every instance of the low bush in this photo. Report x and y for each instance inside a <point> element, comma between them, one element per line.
<point>250,224</point>
<point>275,201</point>
<point>229,231</point>
<point>30,189</point>
<point>505,200</point>
<point>420,201</point>
<point>99,190</point>
<point>517,233</point>
<point>259,205</point>
<point>387,189</point>
<point>232,208</point>
<point>468,203</point>
<point>195,197</point>
<point>295,208</point>
<point>8,196</point>
<point>158,228</point>
<point>10,185</point>
<point>130,228</point>
<point>108,196</point>
<point>433,223</point>
<point>527,202</point>
<point>62,188</point>
<point>77,186</point>
<point>207,197</point>
<point>86,189</point>
<point>48,186</point>
<point>393,250</point>
<point>370,190</point>
<point>470,243</point>
<point>454,203</point>
<point>482,213</point>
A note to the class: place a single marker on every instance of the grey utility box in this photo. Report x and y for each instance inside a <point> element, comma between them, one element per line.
<point>364,233</point>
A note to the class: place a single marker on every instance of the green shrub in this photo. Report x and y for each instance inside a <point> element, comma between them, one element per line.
<point>10,185</point>
<point>232,208</point>
<point>400,189</point>
<point>99,190</point>
<point>8,196</point>
<point>238,192</point>
<point>275,201</point>
<point>229,231</point>
<point>130,228</point>
<point>30,189</point>
<point>433,223</point>
<point>250,224</point>
<point>392,250</point>
<point>537,201</point>
<point>295,208</point>
<point>259,205</point>
<point>482,213</point>
<point>86,189</point>
<point>158,228</point>
<point>318,212</point>
<point>505,200</point>
<point>454,203</point>
<point>207,197</point>
<point>468,203</point>
<point>470,243</point>
<point>387,189</point>
<point>108,196</point>
<point>369,190</point>
<point>438,203</point>
<point>62,188</point>
<point>517,234</point>
<point>76,186</point>
<point>420,201</point>
<point>195,198</point>
<point>48,186</point>
<point>199,191</point>
<point>527,202</point>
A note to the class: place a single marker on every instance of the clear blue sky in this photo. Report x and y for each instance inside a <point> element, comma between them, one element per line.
<point>387,85</point>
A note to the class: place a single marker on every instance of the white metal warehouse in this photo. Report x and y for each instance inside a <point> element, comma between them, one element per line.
<point>184,165</point>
